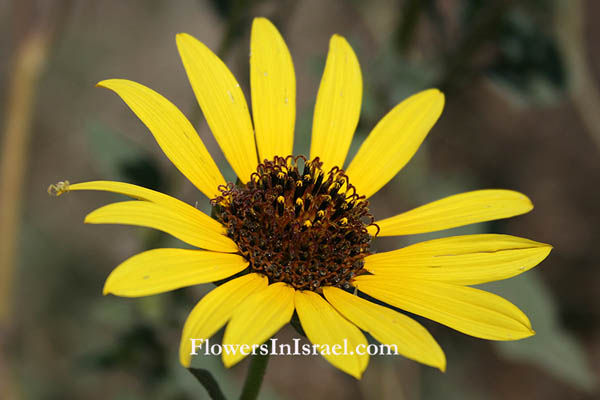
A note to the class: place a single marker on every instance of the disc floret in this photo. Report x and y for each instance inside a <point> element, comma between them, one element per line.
<point>308,229</point>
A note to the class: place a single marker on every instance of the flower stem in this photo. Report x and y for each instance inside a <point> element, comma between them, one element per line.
<point>209,382</point>
<point>256,373</point>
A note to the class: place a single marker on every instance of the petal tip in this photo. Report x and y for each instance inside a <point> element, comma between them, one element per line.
<point>336,38</point>
<point>105,84</point>
<point>442,96</point>
<point>525,333</point>
<point>91,217</point>
<point>545,248</point>
<point>185,361</point>
<point>261,20</point>
<point>438,98</point>
<point>527,203</point>
<point>182,38</point>
<point>106,290</point>
<point>439,361</point>
<point>356,374</point>
<point>229,360</point>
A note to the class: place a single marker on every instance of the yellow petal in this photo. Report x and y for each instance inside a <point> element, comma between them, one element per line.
<point>215,309</point>
<point>174,133</point>
<point>144,213</point>
<point>140,193</point>
<point>454,211</point>
<point>222,102</point>
<point>161,270</point>
<point>462,260</point>
<point>394,140</point>
<point>273,85</point>
<point>388,327</point>
<point>325,327</point>
<point>468,310</point>
<point>337,109</point>
<point>257,319</point>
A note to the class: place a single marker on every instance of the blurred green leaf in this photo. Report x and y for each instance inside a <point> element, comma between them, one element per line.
<point>552,349</point>
<point>118,158</point>
<point>528,63</point>
<point>109,148</point>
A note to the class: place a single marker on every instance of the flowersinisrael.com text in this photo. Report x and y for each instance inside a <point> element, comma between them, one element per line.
<point>271,347</point>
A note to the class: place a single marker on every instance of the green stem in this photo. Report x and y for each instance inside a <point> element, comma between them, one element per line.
<point>209,382</point>
<point>256,373</point>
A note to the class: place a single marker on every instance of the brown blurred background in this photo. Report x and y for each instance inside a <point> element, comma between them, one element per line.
<point>523,112</point>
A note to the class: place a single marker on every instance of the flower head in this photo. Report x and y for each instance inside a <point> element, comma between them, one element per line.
<point>296,232</point>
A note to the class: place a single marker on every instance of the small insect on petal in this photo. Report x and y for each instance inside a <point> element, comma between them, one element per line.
<point>58,188</point>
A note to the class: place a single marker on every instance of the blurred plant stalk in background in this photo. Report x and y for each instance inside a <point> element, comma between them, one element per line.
<point>583,89</point>
<point>35,28</point>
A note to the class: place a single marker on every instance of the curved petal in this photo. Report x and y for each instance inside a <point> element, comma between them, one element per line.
<point>222,103</point>
<point>144,213</point>
<point>394,140</point>
<point>161,199</point>
<point>337,109</point>
<point>454,211</point>
<point>215,309</point>
<point>462,260</point>
<point>273,85</point>
<point>174,133</point>
<point>256,320</point>
<point>388,327</point>
<point>161,270</point>
<point>468,310</point>
<point>325,327</point>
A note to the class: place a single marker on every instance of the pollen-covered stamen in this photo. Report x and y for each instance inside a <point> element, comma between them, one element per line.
<point>297,224</point>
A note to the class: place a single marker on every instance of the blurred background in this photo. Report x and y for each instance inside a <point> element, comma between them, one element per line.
<point>523,112</point>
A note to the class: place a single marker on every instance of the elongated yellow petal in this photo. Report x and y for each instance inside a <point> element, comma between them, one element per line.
<point>144,213</point>
<point>174,133</point>
<point>161,199</point>
<point>222,102</point>
<point>454,211</point>
<point>389,327</point>
<point>215,309</point>
<point>256,320</point>
<point>161,270</point>
<point>273,85</point>
<point>337,109</point>
<point>394,140</point>
<point>468,310</point>
<point>462,260</point>
<point>325,327</point>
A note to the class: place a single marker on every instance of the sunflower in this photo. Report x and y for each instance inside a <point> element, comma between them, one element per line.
<point>294,233</point>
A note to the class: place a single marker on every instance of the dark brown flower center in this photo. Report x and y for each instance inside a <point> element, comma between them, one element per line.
<point>308,229</point>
